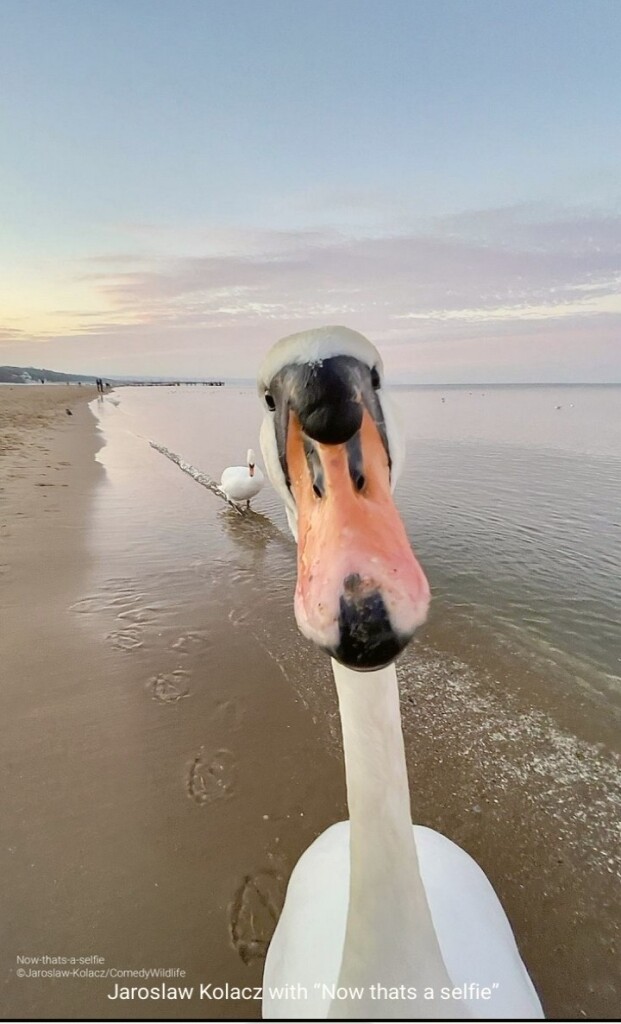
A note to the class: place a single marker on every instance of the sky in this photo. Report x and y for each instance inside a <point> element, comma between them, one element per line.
<point>183,183</point>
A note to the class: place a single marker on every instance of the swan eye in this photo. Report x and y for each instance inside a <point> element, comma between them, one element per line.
<point>269,401</point>
<point>375,378</point>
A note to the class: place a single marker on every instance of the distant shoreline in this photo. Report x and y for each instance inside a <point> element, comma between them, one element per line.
<point>32,376</point>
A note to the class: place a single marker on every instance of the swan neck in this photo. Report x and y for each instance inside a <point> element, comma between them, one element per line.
<point>375,766</point>
<point>390,940</point>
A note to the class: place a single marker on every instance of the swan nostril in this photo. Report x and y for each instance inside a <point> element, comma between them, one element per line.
<point>360,481</point>
<point>317,491</point>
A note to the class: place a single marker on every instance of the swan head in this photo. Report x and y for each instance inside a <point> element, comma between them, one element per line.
<point>251,461</point>
<point>333,450</point>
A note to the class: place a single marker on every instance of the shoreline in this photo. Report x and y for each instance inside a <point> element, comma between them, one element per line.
<point>114,821</point>
<point>47,472</point>
<point>47,475</point>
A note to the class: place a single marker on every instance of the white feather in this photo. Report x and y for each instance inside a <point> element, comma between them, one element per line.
<point>241,483</point>
<point>474,934</point>
<point>315,346</point>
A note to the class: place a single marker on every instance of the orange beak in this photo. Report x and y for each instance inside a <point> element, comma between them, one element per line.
<point>360,591</point>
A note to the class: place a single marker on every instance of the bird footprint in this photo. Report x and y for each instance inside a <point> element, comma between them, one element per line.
<point>126,639</point>
<point>254,912</point>
<point>168,689</point>
<point>229,714</point>
<point>191,638</point>
<point>212,779</point>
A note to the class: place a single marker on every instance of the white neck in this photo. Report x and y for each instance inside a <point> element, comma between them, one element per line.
<point>390,940</point>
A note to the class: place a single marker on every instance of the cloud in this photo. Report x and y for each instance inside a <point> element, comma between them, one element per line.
<point>477,284</point>
<point>115,258</point>
<point>536,227</point>
<point>11,335</point>
<point>543,267</point>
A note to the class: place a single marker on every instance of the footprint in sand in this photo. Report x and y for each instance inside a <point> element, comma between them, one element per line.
<point>254,913</point>
<point>170,688</point>
<point>138,615</point>
<point>101,602</point>
<point>212,777</point>
<point>127,639</point>
<point>229,713</point>
<point>193,638</point>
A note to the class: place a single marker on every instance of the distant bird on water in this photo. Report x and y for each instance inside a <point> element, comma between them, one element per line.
<point>241,483</point>
<point>68,411</point>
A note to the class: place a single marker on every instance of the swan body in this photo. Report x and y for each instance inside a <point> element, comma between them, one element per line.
<point>241,483</point>
<point>396,914</point>
<point>382,919</point>
<point>475,937</point>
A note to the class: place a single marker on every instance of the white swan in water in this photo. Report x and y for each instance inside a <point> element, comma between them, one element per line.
<point>382,919</point>
<point>241,483</point>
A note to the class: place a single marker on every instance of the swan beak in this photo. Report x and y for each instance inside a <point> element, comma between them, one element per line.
<point>360,591</point>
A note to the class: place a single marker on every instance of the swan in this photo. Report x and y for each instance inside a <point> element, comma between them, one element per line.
<point>241,483</point>
<point>382,919</point>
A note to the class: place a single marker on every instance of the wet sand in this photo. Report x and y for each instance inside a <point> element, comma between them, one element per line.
<point>133,831</point>
<point>168,759</point>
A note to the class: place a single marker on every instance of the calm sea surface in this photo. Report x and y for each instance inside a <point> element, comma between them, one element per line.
<point>511,497</point>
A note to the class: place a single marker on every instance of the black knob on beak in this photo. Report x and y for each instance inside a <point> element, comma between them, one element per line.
<point>326,400</point>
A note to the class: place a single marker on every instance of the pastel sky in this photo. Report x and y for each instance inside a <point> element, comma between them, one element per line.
<point>183,182</point>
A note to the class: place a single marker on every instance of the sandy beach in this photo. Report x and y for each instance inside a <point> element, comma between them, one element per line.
<point>103,834</point>
<point>159,793</point>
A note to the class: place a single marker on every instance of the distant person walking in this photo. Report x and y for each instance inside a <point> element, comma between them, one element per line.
<point>100,386</point>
